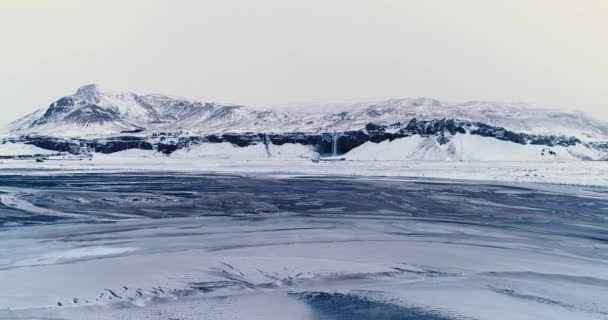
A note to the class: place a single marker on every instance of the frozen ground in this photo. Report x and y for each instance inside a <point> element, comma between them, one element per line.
<point>12,149</point>
<point>594,173</point>
<point>150,245</point>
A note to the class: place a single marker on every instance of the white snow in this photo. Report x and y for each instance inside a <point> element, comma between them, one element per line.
<point>515,116</point>
<point>455,269</point>
<point>466,147</point>
<point>292,150</point>
<point>55,257</point>
<point>213,152</point>
<point>142,268</point>
<point>19,149</point>
<point>208,152</point>
<point>130,153</point>
<point>226,150</point>
<point>592,173</point>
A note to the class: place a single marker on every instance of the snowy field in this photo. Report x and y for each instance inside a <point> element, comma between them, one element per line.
<point>10,149</point>
<point>158,245</point>
<point>594,173</point>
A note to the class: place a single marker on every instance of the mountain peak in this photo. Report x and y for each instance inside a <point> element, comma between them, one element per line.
<point>90,92</point>
<point>418,102</point>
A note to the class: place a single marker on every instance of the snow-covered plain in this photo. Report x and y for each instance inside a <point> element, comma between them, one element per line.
<point>19,149</point>
<point>592,173</point>
<point>150,245</point>
<point>226,150</point>
<point>465,157</point>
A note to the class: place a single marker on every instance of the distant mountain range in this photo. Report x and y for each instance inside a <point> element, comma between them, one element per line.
<point>94,111</point>
<point>94,120</point>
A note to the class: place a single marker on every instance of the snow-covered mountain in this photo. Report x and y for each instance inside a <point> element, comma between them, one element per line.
<point>95,111</point>
<point>104,121</point>
<point>517,117</point>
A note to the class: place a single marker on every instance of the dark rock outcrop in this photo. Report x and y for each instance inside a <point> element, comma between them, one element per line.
<point>168,142</point>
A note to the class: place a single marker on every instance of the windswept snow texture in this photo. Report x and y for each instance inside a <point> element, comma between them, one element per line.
<point>95,111</point>
<point>194,246</point>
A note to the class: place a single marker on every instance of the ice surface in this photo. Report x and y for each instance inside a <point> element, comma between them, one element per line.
<point>185,245</point>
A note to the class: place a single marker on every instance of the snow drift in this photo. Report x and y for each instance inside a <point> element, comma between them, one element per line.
<point>21,149</point>
<point>467,147</point>
<point>221,151</point>
<point>227,150</point>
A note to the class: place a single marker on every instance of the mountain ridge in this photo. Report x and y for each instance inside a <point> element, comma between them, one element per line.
<point>93,110</point>
<point>446,139</point>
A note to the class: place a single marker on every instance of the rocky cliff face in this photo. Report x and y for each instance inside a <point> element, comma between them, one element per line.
<point>445,128</point>
<point>325,143</point>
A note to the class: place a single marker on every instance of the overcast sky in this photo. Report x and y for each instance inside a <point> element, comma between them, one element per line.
<point>550,53</point>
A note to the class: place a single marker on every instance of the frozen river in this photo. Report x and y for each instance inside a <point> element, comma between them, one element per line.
<point>196,246</point>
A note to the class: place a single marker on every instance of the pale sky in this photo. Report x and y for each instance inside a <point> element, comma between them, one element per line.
<point>550,53</point>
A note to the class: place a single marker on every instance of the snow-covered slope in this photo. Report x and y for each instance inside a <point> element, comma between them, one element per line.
<point>25,121</point>
<point>22,149</point>
<point>468,147</point>
<point>512,116</point>
<point>219,151</point>
<point>93,110</point>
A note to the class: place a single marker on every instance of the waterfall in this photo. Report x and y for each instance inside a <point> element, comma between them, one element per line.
<point>334,144</point>
<point>266,145</point>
